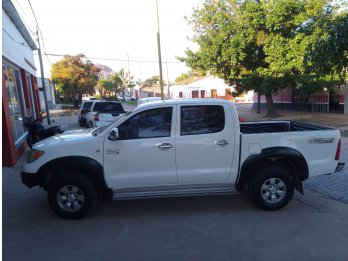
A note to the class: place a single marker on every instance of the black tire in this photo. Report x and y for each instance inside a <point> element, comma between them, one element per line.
<point>72,196</point>
<point>271,187</point>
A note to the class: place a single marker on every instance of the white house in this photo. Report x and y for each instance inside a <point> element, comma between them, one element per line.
<point>207,87</point>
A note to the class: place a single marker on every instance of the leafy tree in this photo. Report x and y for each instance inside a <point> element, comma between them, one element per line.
<point>123,80</point>
<point>257,45</point>
<point>329,56</point>
<point>75,75</point>
<point>151,81</point>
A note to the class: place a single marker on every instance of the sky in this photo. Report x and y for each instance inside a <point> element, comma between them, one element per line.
<point>113,30</point>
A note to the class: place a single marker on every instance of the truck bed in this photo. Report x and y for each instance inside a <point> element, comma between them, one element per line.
<point>278,126</point>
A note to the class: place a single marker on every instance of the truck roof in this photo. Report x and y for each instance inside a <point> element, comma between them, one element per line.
<point>194,101</point>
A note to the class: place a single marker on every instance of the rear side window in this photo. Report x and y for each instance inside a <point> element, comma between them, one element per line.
<point>201,119</point>
<point>108,107</point>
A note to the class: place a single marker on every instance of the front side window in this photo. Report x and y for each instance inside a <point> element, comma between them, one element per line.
<point>15,99</point>
<point>152,123</point>
<point>201,119</point>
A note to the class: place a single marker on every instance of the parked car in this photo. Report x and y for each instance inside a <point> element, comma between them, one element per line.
<point>148,99</point>
<point>126,98</point>
<point>85,108</point>
<point>181,148</point>
<point>103,113</point>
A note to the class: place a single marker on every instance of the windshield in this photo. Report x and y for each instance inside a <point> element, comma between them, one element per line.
<point>87,105</point>
<point>99,130</point>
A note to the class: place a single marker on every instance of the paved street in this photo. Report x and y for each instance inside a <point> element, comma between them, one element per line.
<point>227,228</point>
<point>314,226</point>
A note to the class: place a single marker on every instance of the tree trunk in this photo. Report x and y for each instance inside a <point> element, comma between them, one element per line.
<point>271,111</point>
<point>258,102</point>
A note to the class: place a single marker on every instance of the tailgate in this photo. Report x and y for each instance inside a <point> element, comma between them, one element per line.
<point>109,117</point>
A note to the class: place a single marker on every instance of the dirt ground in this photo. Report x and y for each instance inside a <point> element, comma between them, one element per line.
<point>335,120</point>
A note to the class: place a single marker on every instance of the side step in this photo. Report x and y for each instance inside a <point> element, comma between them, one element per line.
<point>174,191</point>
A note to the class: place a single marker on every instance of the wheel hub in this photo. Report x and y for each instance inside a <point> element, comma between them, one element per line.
<point>70,198</point>
<point>273,190</point>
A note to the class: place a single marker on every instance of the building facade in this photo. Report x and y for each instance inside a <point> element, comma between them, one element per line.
<point>20,93</point>
<point>50,94</point>
<point>324,101</point>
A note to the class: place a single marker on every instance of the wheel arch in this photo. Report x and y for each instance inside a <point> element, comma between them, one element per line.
<point>78,165</point>
<point>294,160</point>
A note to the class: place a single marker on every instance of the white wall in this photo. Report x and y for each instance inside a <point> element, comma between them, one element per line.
<point>14,51</point>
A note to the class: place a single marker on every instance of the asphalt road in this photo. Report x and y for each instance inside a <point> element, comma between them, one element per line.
<point>312,227</point>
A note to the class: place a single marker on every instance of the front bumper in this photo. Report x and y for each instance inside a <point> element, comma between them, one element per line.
<point>340,167</point>
<point>29,179</point>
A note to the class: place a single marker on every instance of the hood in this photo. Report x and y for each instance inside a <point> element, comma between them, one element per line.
<point>67,136</point>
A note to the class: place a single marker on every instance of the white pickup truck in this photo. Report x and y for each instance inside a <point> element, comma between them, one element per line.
<point>180,148</point>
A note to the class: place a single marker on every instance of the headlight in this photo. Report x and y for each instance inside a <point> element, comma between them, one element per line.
<point>34,155</point>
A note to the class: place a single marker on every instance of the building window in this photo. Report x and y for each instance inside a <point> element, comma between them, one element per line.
<point>15,100</point>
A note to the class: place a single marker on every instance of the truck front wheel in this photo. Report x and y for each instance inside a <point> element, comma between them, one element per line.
<point>72,196</point>
<point>271,188</point>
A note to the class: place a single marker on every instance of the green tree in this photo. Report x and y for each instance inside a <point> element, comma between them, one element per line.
<point>328,57</point>
<point>257,45</point>
<point>75,75</point>
<point>151,81</point>
<point>121,81</point>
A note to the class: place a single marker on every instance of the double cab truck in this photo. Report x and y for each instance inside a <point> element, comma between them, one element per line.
<point>180,148</point>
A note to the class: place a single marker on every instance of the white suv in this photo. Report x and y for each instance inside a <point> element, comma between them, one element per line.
<point>103,113</point>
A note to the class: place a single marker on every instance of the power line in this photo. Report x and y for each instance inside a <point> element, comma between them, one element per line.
<point>25,16</point>
<point>20,43</point>
<point>39,30</point>
<point>114,59</point>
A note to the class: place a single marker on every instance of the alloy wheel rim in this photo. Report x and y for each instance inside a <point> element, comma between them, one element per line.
<point>70,198</point>
<point>273,190</point>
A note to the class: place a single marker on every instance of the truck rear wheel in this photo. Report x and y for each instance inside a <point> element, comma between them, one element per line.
<point>271,188</point>
<point>72,196</point>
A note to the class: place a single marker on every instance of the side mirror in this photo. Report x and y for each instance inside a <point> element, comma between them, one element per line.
<point>113,134</point>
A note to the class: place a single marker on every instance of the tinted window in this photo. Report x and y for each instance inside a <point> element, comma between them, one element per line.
<point>202,119</point>
<point>147,124</point>
<point>87,105</point>
<point>108,107</point>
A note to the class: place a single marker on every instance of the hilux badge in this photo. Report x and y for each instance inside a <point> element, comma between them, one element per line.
<point>321,140</point>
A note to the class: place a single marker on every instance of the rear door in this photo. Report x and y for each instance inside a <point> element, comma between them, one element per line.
<point>204,144</point>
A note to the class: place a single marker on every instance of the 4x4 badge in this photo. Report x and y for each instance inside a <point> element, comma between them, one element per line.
<point>115,151</point>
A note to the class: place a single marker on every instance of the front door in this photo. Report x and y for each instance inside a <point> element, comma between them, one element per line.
<point>144,154</point>
<point>204,144</point>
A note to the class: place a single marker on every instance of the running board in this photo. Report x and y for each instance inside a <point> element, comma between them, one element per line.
<point>174,191</point>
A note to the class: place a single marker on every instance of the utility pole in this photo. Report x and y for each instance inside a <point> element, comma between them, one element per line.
<point>128,72</point>
<point>159,53</point>
<point>43,79</point>
<point>167,81</point>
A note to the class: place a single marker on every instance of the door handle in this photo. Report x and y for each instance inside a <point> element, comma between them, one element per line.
<point>164,146</point>
<point>222,142</point>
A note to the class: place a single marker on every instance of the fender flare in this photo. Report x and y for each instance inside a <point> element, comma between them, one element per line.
<point>77,164</point>
<point>292,157</point>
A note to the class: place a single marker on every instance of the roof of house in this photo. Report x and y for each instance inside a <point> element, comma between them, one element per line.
<point>11,11</point>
